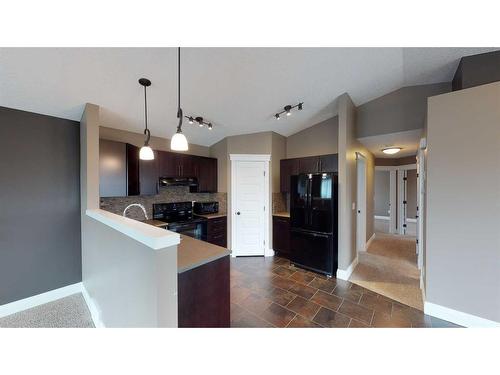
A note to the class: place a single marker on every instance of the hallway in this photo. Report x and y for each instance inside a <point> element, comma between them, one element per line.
<point>389,267</point>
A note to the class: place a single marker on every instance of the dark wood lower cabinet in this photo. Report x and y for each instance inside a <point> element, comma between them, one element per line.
<point>217,231</point>
<point>204,296</point>
<point>281,236</point>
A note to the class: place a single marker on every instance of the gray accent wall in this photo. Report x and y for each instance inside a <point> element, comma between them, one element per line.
<point>401,110</point>
<point>40,248</point>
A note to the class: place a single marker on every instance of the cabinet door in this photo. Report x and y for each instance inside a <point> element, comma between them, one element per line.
<point>206,172</point>
<point>133,187</point>
<point>167,164</point>
<point>281,235</point>
<point>328,163</point>
<point>112,169</point>
<point>148,175</point>
<point>309,164</point>
<point>187,165</point>
<point>288,167</point>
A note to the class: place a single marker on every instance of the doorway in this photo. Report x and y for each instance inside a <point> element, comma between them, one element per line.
<point>361,203</point>
<point>249,205</point>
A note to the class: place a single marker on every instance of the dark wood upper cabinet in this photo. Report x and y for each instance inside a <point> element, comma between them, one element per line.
<point>122,173</point>
<point>132,153</point>
<point>288,168</point>
<point>206,172</point>
<point>328,163</point>
<point>149,175</point>
<point>167,164</point>
<point>309,164</point>
<point>187,165</point>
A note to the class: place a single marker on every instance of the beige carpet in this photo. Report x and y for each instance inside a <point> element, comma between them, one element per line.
<point>389,267</point>
<point>67,312</point>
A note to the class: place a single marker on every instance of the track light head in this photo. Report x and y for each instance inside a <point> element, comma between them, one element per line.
<point>299,107</point>
<point>277,116</point>
<point>210,127</point>
<point>190,119</point>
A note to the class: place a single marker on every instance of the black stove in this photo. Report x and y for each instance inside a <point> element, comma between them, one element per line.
<point>179,218</point>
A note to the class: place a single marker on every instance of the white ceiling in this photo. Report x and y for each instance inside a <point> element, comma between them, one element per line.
<point>407,140</point>
<point>238,89</point>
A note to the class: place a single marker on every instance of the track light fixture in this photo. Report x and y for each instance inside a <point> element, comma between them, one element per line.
<point>288,110</point>
<point>200,121</point>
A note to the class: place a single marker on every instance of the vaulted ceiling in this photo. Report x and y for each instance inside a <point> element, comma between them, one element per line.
<point>237,89</point>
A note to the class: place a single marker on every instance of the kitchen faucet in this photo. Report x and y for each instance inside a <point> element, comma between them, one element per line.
<point>138,205</point>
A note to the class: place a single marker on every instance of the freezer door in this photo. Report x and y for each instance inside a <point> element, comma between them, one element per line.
<point>313,251</point>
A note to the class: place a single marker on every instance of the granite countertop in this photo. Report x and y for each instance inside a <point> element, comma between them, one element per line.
<point>282,214</point>
<point>192,253</point>
<point>212,216</point>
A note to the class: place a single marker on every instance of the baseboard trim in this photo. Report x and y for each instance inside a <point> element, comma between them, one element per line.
<point>94,311</point>
<point>269,253</point>
<point>458,317</point>
<point>368,243</point>
<point>345,274</point>
<point>39,299</point>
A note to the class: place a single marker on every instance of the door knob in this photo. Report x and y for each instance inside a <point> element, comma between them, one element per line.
<point>238,213</point>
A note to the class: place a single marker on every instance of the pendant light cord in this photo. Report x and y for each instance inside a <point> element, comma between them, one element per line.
<point>179,110</point>
<point>147,133</point>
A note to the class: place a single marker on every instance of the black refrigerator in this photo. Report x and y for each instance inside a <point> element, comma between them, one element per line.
<point>313,222</point>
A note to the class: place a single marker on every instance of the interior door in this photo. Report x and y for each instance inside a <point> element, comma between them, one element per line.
<point>361,204</point>
<point>249,207</point>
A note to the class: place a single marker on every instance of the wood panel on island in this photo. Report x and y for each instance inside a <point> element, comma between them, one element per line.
<point>141,177</point>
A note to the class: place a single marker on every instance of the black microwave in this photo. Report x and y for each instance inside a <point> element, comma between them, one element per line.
<point>204,208</point>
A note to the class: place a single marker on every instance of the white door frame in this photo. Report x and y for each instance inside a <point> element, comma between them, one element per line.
<point>360,202</point>
<point>421,176</point>
<point>251,157</point>
<point>397,173</point>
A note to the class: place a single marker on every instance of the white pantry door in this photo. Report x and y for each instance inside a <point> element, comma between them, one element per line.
<point>249,181</point>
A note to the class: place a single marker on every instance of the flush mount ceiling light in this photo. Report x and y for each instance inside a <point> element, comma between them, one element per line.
<point>146,153</point>
<point>179,141</point>
<point>391,150</point>
<point>288,110</point>
<point>200,121</point>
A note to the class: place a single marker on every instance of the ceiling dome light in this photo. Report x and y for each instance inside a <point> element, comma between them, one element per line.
<point>391,150</point>
<point>179,142</point>
<point>146,153</point>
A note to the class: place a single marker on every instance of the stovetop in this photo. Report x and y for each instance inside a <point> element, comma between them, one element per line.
<point>175,213</point>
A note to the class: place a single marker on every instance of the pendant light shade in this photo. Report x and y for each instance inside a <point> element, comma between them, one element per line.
<point>179,142</point>
<point>146,153</point>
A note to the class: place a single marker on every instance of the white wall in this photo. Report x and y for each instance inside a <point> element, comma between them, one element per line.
<point>463,201</point>
<point>129,269</point>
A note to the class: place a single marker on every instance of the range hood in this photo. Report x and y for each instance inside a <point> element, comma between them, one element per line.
<point>192,182</point>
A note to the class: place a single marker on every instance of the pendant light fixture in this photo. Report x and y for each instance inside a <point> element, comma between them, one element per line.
<point>146,153</point>
<point>179,141</point>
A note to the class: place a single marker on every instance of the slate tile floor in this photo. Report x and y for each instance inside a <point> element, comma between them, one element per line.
<point>269,292</point>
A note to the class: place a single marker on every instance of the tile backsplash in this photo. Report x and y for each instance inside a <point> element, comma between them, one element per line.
<point>116,205</point>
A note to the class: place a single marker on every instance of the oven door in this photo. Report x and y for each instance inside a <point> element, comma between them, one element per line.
<point>194,230</point>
